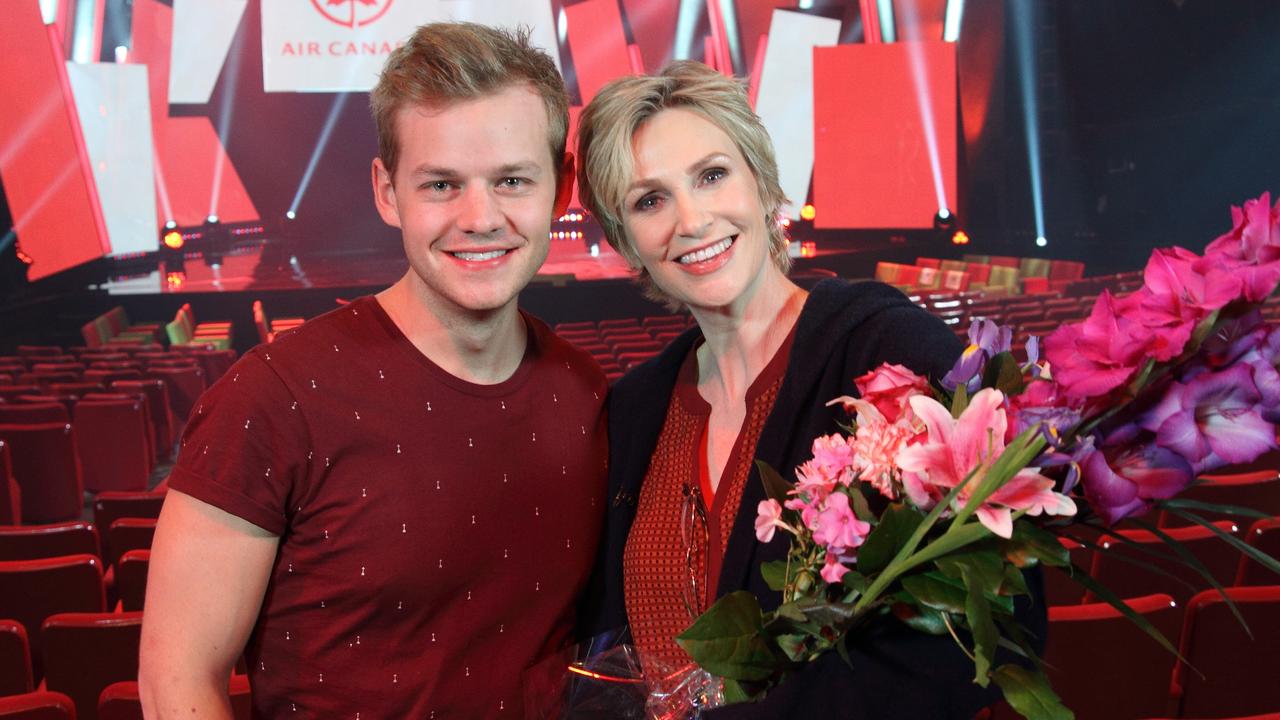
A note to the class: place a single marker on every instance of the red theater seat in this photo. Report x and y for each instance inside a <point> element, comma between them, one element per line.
<point>119,701</point>
<point>1239,672</point>
<point>37,706</point>
<point>86,652</point>
<point>1265,535</point>
<point>10,393</point>
<point>157,395</point>
<point>31,413</point>
<point>47,470</point>
<point>36,589</point>
<point>1259,490</point>
<point>33,542</point>
<point>15,659</point>
<point>113,440</point>
<point>34,351</point>
<point>131,579</point>
<point>1126,569</point>
<point>10,493</point>
<point>1104,666</point>
<point>128,534</point>
<point>185,385</point>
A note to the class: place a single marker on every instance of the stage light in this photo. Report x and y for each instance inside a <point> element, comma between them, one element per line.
<point>170,224</point>
<point>945,220</point>
<point>960,238</point>
<point>173,240</point>
<point>808,249</point>
<point>175,279</point>
<point>322,144</point>
<point>951,25</point>
<point>916,63</point>
<point>290,215</point>
<point>1041,241</point>
<point>211,220</point>
<point>808,213</point>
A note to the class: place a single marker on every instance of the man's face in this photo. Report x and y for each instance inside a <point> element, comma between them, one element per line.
<point>473,195</point>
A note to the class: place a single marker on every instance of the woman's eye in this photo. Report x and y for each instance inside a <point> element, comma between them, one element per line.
<point>713,175</point>
<point>648,202</point>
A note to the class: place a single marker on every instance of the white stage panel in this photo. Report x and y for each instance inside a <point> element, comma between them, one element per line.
<point>784,100</point>
<point>202,35</point>
<point>115,116</point>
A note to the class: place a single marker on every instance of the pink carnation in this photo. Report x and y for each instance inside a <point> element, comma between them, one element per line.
<point>875,447</point>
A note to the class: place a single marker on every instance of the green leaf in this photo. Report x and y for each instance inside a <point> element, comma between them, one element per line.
<point>937,591</point>
<point>896,526</point>
<point>1029,693</point>
<point>1031,544</point>
<point>960,401</point>
<point>985,636</point>
<point>923,619</point>
<point>984,567</point>
<point>837,616</point>
<point>774,486</point>
<point>861,509</point>
<point>1015,583</point>
<point>1194,563</point>
<point>728,639</point>
<point>775,574</point>
<point>1176,504</point>
<point>734,692</point>
<point>1004,374</point>
<point>791,611</point>
<point>795,645</point>
<point>855,581</point>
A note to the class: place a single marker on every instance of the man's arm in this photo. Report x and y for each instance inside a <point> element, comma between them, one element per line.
<point>205,583</point>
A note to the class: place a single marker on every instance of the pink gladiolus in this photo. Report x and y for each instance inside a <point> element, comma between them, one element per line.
<point>963,448</point>
<point>833,571</point>
<point>1121,480</point>
<point>837,528</point>
<point>1094,357</point>
<point>1252,248</point>
<point>768,519</point>
<point>1213,419</point>
<point>1180,291</point>
<point>889,387</point>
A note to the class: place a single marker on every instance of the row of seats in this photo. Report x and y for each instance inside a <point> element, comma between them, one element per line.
<point>72,614</point>
<point>118,701</point>
<point>618,345</point>
<point>114,328</point>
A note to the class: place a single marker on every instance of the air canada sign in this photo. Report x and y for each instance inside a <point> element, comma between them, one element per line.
<point>352,13</point>
<point>341,45</point>
<point>331,45</point>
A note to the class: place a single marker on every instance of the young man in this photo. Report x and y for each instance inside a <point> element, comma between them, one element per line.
<point>397,505</point>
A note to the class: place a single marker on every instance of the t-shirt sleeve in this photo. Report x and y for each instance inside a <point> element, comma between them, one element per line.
<point>245,447</point>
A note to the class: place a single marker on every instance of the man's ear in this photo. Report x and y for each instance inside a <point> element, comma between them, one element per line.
<point>384,194</point>
<point>564,185</point>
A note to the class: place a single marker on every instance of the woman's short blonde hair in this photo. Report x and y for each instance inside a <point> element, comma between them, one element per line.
<point>442,62</point>
<point>610,121</point>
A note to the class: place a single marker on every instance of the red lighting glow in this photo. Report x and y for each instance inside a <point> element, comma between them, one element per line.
<point>960,238</point>
<point>607,678</point>
<point>808,249</point>
<point>174,240</point>
<point>808,213</point>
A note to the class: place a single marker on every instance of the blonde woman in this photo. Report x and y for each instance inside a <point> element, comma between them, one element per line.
<point>681,174</point>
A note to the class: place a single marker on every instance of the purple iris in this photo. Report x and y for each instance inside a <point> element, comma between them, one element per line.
<point>986,340</point>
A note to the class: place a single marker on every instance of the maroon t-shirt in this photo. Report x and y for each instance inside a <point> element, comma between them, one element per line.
<point>434,533</point>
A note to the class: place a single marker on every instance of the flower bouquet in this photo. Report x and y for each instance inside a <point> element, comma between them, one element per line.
<point>933,500</point>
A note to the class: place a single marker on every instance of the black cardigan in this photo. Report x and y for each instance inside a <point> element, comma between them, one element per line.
<point>844,330</point>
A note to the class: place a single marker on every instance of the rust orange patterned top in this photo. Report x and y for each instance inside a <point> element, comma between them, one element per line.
<point>660,571</point>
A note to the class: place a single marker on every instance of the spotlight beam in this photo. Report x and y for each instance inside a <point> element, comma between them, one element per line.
<point>225,106</point>
<point>924,101</point>
<point>322,143</point>
<point>1023,28</point>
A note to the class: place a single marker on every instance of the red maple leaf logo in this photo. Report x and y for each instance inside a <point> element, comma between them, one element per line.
<point>362,2</point>
<point>357,13</point>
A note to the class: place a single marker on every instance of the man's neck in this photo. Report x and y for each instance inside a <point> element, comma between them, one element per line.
<point>482,347</point>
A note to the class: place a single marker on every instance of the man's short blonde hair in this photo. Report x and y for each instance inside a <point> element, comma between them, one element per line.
<point>610,121</point>
<point>443,62</point>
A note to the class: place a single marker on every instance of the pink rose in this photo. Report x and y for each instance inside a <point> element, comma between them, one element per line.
<point>889,388</point>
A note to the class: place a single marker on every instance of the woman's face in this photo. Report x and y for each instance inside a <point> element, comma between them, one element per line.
<point>693,212</point>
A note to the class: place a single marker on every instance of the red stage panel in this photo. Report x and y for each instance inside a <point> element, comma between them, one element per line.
<point>47,179</point>
<point>598,45</point>
<point>188,149</point>
<point>871,166</point>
